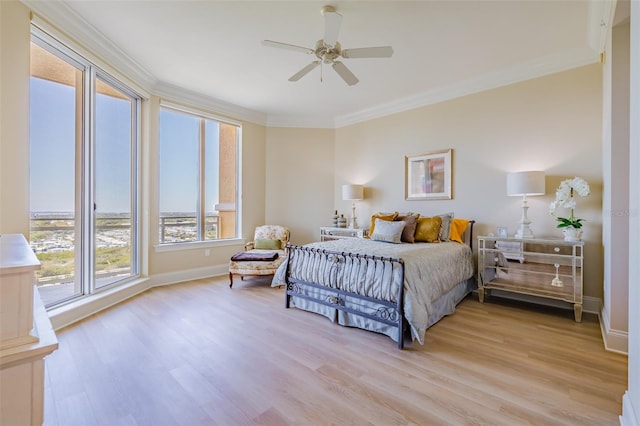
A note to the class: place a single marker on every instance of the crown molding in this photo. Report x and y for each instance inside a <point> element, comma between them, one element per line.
<point>60,17</point>
<point>601,14</point>
<point>303,122</point>
<point>64,19</point>
<point>178,94</point>
<point>518,73</point>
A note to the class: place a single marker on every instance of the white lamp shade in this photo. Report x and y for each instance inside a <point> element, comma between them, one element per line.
<point>352,192</point>
<point>525,183</point>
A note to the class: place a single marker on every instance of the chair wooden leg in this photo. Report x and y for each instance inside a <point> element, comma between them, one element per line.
<point>230,280</point>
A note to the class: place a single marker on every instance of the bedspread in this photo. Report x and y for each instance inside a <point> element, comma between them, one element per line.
<point>431,270</point>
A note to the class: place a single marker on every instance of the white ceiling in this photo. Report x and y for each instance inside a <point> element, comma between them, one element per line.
<point>210,51</point>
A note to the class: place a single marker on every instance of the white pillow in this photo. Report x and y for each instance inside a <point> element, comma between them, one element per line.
<point>387,231</point>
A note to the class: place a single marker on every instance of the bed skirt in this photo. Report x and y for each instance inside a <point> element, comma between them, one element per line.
<point>445,305</point>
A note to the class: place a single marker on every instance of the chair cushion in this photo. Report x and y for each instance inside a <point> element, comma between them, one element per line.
<point>267,244</point>
<point>257,267</point>
<point>255,256</point>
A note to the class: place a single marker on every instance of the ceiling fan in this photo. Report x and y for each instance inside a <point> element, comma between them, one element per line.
<point>328,49</point>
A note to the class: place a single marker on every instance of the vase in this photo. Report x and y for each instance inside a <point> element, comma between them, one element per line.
<point>572,234</point>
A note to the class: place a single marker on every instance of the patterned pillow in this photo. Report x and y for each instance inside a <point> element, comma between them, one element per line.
<point>428,229</point>
<point>388,231</point>
<point>446,226</point>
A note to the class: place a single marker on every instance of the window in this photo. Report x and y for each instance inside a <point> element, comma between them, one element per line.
<point>198,177</point>
<point>83,174</point>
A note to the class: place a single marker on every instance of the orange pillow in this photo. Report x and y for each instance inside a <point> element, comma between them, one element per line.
<point>381,216</point>
<point>428,229</point>
<point>458,226</point>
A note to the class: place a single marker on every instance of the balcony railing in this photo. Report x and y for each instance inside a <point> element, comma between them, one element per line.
<point>179,228</point>
<point>53,240</point>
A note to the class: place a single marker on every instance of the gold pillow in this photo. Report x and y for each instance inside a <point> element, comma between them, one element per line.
<point>381,216</point>
<point>428,229</point>
<point>458,226</point>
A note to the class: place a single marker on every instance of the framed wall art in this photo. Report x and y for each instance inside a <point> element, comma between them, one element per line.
<point>428,176</point>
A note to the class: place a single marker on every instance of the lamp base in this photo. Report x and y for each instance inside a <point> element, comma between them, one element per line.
<point>353,224</point>
<point>524,230</point>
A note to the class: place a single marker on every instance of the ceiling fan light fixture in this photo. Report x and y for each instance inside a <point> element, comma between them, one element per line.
<point>328,49</point>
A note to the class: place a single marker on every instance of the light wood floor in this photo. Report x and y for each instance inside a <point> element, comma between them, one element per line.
<point>200,353</point>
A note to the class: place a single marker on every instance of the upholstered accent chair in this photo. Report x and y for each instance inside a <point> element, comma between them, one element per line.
<point>257,259</point>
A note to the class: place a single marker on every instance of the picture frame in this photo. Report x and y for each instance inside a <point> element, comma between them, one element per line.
<point>427,175</point>
<point>502,231</point>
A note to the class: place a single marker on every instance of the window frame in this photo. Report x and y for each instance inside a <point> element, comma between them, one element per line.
<point>200,210</point>
<point>85,178</point>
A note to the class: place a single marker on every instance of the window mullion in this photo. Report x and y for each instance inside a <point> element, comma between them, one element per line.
<point>89,210</point>
<point>201,185</point>
<point>135,185</point>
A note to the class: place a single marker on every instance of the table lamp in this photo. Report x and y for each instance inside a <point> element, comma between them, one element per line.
<point>523,184</point>
<point>353,193</point>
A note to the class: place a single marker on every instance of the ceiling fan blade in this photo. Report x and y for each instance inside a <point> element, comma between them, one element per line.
<point>332,22</point>
<point>368,52</point>
<point>344,72</point>
<point>304,71</point>
<point>287,46</point>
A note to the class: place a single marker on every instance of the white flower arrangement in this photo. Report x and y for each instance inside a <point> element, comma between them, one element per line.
<point>565,199</point>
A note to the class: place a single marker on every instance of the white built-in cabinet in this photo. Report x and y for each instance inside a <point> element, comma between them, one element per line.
<point>26,335</point>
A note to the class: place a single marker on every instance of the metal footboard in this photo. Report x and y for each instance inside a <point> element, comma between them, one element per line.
<point>344,281</point>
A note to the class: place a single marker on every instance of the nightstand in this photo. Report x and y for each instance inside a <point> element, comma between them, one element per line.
<point>328,233</point>
<point>547,268</point>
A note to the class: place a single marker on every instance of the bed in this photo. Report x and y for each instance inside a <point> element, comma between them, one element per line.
<point>379,286</point>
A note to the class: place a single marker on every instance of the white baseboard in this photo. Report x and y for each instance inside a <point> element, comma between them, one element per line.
<point>188,275</point>
<point>614,340</point>
<point>629,416</point>
<point>75,311</point>
<point>80,309</point>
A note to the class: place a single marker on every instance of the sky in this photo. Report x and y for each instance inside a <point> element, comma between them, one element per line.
<point>52,154</point>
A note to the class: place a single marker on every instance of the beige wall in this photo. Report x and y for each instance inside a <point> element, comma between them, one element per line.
<point>615,218</point>
<point>14,117</point>
<point>631,399</point>
<point>617,281</point>
<point>551,123</point>
<point>299,184</point>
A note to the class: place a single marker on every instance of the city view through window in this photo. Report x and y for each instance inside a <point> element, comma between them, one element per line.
<point>80,252</point>
<point>83,195</point>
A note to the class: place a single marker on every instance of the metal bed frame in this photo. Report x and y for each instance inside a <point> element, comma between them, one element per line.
<point>386,312</point>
